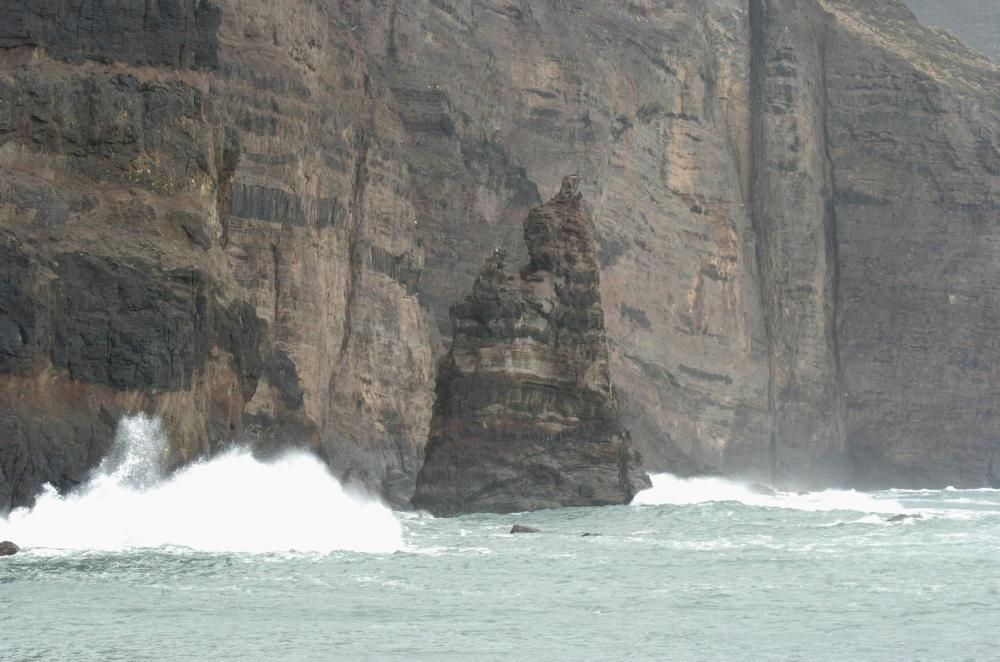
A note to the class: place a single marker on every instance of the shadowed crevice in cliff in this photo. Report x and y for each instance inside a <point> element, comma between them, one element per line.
<point>843,469</point>
<point>794,219</point>
<point>525,417</point>
<point>758,60</point>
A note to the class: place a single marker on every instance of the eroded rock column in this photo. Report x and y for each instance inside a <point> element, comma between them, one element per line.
<point>525,416</point>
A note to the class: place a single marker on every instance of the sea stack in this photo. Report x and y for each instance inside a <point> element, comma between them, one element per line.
<point>525,415</point>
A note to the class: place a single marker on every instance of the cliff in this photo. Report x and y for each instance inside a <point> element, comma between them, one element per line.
<point>251,218</point>
<point>524,415</point>
<point>205,215</point>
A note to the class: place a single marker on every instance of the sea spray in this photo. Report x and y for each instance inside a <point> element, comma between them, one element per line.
<point>230,503</point>
<point>138,457</point>
<point>708,581</point>
<point>671,490</point>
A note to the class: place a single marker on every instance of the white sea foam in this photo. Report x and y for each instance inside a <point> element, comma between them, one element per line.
<point>671,490</point>
<point>230,503</point>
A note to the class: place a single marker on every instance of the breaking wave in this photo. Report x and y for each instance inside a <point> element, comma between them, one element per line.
<point>230,503</point>
<point>671,490</point>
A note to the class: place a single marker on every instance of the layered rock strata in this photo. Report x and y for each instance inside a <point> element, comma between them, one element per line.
<point>251,218</point>
<point>204,215</point>
<point>525,415</point>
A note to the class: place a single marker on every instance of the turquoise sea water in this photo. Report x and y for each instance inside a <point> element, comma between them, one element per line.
<point>704,570</point>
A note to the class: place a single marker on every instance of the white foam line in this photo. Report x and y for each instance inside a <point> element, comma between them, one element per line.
<point>671,490</point>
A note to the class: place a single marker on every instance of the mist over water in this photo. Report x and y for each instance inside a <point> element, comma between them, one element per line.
<point>671,490</point>
<point>229,503</point>
<point>138,457</point>
<point>139,564</point>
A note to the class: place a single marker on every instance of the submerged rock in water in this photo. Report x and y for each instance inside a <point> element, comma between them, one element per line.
<point>903,517</point>
<point>517,528</point>
<point>525,416</point>
<point>7,548</point>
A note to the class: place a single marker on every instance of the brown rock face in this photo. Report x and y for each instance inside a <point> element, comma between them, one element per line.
<point>525,416</point>
<point>204,215</point>
<point>252,217</point>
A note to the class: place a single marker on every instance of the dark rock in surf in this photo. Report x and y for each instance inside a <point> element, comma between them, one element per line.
<point>525,416</point>
<point>763,490</point>
<point>902,518</point>
<point>7,548</point>
<point>993,471</point>
<point>517,528</point>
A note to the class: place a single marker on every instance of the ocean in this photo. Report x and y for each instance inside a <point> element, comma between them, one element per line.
<point>237,559</point>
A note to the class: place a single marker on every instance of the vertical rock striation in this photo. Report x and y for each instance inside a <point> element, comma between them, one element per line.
<point>795,221</point>
<point>204,214</point>
<point>525,416</point>
<point>913,123</point>
<point>251,218</point>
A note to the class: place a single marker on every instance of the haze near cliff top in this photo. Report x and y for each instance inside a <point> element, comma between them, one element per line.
<point>976,22</point>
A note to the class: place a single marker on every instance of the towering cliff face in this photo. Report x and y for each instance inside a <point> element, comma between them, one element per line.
<point>796,230</point>
<point>916,205</point>
<point>205,214</point>
<point>648,101</point>
<point>525,417</point>
<point>252,218</point>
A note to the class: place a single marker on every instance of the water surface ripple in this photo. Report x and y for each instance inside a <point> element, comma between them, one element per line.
<point>704,571</point>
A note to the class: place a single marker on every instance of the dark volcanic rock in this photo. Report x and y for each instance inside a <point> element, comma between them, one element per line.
<point>517,528</point>
<point>180,33</point>
<point>993,472</point>
<point>895,519</point>
<point>8,548</point>
<point>525,416</point>
<point>110,326</point>
<point>762,490</point>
